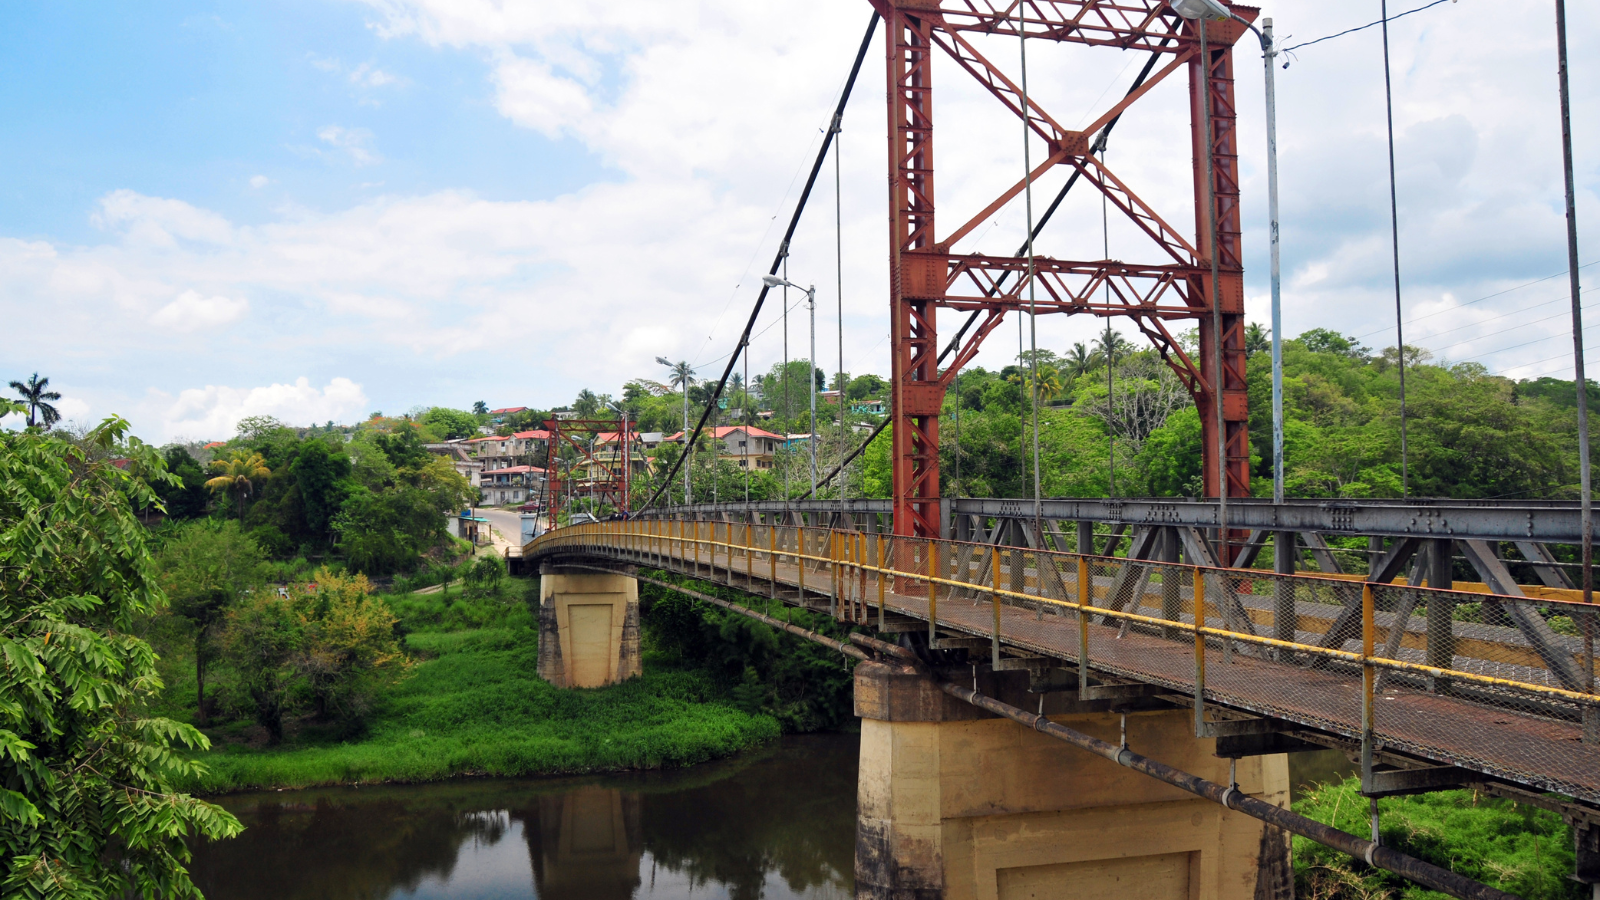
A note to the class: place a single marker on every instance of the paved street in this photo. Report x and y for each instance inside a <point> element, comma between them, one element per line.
<point>507,527</point>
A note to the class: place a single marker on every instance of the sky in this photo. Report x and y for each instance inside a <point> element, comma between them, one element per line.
<point>320,209</point>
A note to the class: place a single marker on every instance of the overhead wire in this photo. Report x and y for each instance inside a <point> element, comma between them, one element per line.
<point>1386,19</point>
<point>1415,319</point>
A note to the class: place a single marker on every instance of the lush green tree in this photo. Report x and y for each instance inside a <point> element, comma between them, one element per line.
<point>36,399</point>
<point>87,804</point>
<point>480,408</point>
<point>260,641</point>
<point>321,474</point>
<point>349,648</point>
<point>864,386</point>
<point>204,567</point>
<point>450,424</point>
<point>184,497</point>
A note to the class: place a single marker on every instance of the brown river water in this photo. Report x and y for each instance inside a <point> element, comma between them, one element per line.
<point>777,823</point>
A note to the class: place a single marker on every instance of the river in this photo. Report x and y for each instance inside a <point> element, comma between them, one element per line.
<point>777,823</point>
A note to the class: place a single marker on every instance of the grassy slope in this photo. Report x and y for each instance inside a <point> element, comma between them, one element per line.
<point>1519,849</point>
<point>475,705</point>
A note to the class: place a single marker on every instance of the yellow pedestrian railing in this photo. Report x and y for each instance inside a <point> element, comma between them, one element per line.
<point>1501,684</point>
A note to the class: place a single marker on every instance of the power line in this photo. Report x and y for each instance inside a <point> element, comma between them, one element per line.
<point>1458,306</point>
<point>1360,28</point>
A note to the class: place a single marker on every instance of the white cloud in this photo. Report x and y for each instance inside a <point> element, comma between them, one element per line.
<point>215,411</point>
<point>529,94</point>
<point>353,141</point>
<point>160,221</point>
<point>259,181</point>
<point>192,312</point>
<point>368,75</point>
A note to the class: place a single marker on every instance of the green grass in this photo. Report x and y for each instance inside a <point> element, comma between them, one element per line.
<point>1520,849</point>
<point>474,705</point>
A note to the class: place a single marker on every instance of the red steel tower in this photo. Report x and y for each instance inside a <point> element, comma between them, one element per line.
<point>926,271</point>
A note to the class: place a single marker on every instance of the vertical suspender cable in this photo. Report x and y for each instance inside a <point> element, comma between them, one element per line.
<point>1218,374</point>
<point>1394,233</point>
<point>1580,375</point>
<point>787,456</point>
<point>1111,434</point>
<point>783,251</point>
<point>1033,318</point>
<point>744,413</point>
<point>838,268</point>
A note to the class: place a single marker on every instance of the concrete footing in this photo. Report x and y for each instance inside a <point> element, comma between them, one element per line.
<point>956,803</point>
<point>588,628</point>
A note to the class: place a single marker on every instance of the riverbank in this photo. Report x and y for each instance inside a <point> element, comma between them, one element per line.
<point>473,705</point>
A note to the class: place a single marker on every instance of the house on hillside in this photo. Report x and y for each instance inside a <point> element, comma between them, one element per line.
<point>742,445</point>
<point>498,416</point>
<point>459,453</point>
<point>514,484</point>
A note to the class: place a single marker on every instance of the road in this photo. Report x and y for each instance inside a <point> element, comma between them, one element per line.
<point>507,526</point>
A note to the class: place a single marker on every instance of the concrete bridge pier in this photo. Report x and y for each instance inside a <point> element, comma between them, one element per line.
<point>588,627</point>
<point>955,803</point>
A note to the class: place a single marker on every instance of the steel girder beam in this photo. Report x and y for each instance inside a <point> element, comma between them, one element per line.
<point>924,273</point>
<point>1545,522</point>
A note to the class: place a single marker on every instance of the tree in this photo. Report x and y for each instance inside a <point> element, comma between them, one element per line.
<point>1257,339</point>
<point>1112,346</point>
<point>451,423</point>
<point>36,399</point>
<point>88,806</point>
<point>204,568</point>
<point>185,495</point>
<point>1081,359</point>
<point>239,473</point>
<point>349,646</point>
<point>587,404</point>
<point>480,408</point>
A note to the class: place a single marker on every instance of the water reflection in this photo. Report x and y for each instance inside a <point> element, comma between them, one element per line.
<point>776,824</point>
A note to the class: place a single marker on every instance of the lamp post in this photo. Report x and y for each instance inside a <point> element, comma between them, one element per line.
<point>1216,11</point>
<point>684,377</point>
<point>811,387</point>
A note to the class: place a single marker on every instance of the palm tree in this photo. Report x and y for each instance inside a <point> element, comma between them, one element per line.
<point>1256,339</point>
<point>1081,359</point>
<point>480,408</point>
<point>238,473</point>
<point>1112,346</point>
<point>36,399</point>
<point>586,404</point>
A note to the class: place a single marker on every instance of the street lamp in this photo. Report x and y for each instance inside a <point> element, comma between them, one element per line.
<point>1215,11</point>
<point>684,376</point>
<point>811,387</point>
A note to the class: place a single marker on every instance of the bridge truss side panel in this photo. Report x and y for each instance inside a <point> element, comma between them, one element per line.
<point>925,272</point>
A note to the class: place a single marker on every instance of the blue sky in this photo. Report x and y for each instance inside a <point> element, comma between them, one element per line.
<point>320,208</point>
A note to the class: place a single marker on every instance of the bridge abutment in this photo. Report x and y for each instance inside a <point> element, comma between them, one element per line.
<point>588,627</point>
<point>955,803</point>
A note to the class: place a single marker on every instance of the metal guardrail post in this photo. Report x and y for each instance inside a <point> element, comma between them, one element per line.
<point>696,524</point>
<point>1199,654</point>
<point>933,593</point>
<point>1368,680</point>
<point>881,578</point>
<point>833,573</point>
<point>800,559</point>
<point>749,555</point>
<point>994,598</point>
<point>1085,601</point>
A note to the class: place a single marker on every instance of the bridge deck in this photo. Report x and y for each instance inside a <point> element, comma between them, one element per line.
<point>1516,729</point>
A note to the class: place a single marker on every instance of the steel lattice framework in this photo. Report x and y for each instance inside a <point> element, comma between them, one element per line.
<point>926,272</point>
<point>610,479</point>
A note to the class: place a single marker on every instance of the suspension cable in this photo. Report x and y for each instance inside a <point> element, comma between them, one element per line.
<point>1033,315</point>
<point>1394,233</point>
<point>838,269</point>
<point>782,254</point>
